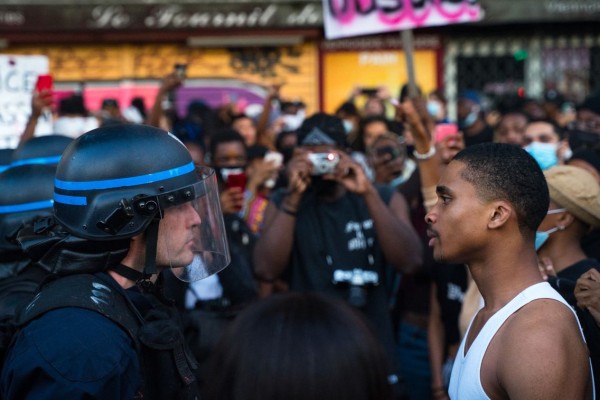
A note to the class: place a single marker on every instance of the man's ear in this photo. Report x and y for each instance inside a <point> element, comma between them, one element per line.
<point>500,213</point>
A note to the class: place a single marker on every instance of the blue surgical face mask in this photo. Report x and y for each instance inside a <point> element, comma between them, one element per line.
<point>544,154</point>
<point>470,119</point>
<point>348,126</point>
<point>542,236</point>
<point>434,108</point>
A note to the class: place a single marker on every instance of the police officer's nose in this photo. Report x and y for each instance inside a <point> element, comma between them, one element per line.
<point>192,216</point>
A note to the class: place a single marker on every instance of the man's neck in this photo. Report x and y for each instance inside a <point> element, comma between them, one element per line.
<point>504,275</point>
<point>121,280</point>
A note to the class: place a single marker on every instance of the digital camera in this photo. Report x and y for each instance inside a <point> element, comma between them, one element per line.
<point>323,163</point>
<point>358,281</point>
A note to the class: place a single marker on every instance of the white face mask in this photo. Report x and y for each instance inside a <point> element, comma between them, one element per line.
<point>293,121</point>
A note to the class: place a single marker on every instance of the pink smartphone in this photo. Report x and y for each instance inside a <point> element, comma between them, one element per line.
<point>442,131</point>
<point>44,82</point>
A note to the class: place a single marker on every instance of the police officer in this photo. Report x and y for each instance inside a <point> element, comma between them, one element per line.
<point>26,191</point>
<point>129,203</point>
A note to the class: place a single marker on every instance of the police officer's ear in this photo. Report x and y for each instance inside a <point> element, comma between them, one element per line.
<point>500,213</point>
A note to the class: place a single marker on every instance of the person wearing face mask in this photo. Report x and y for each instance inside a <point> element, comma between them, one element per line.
<point>542,140</point>
<point>471,119</point>
<point>350,116</point>
<point>574,210</point>
<point>437,107</point>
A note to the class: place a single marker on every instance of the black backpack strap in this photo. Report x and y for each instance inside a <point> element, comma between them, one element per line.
<point>90,292</point>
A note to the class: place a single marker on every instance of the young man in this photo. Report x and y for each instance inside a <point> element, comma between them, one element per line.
<point>130,203</point>
<point>525,342</point>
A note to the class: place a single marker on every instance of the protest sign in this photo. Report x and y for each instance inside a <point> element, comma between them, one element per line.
<point>18,75</point>
<point>345,18</point>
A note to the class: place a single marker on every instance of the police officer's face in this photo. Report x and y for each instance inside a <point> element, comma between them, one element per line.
<point>176,236</point>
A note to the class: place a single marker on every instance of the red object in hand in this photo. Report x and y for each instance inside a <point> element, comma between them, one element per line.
<point>44,82</point>
<point>236,180</point>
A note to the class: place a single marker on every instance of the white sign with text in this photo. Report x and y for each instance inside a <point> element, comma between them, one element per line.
<point>18,75</point>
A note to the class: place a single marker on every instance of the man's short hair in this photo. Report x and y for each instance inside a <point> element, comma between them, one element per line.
<point>501,171</point>
<point>225,136</point>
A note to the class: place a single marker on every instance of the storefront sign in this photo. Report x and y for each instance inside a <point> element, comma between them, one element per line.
<point>208,15</point>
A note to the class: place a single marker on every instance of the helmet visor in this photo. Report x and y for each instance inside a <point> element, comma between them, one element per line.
<point>192,235</point>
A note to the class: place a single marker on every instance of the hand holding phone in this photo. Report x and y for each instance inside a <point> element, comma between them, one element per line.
<point>234,199</point>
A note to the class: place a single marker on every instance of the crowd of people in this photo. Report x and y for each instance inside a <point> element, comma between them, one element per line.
<point>379,252</point>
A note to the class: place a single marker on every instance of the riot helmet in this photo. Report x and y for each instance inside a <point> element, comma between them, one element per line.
<point>5,158</point>
<point>41,150</point>
<point>119,181</point>
<point>26,192</point>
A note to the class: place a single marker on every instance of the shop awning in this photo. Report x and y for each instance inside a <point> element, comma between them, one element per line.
<point>48,16</point>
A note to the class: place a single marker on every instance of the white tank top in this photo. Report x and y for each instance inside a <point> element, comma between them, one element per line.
<point>465,380</point>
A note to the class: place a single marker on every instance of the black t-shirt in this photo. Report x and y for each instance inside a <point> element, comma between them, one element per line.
<point>338,235</point>
<point>591,244</point>
<point>564,282</point>
<point>451,283</point>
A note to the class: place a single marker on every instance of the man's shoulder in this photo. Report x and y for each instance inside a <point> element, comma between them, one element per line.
<point>78,329</point>
<point>79,344</point>
<point>542,343</point>
<point>539,320</point>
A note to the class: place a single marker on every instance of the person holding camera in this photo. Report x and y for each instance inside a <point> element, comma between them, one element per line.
<point>332,231</point>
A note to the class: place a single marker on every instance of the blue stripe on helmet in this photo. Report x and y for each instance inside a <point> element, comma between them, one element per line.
<point>35,205</point>
<point>38,160</point>
<point>122,182</point>
<point>71,200</point>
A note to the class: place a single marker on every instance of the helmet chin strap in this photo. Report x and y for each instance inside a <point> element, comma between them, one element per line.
<point>151,243</point>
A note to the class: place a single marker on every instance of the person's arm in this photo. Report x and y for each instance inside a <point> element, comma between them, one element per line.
<point>435,341</point>
<point>274,246</point>
<point>262,124</point>
<point>169,83</point>
<point>398,240</point>
<point>421,127</point>
<point>541,355</point>
<point>39,101</point>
